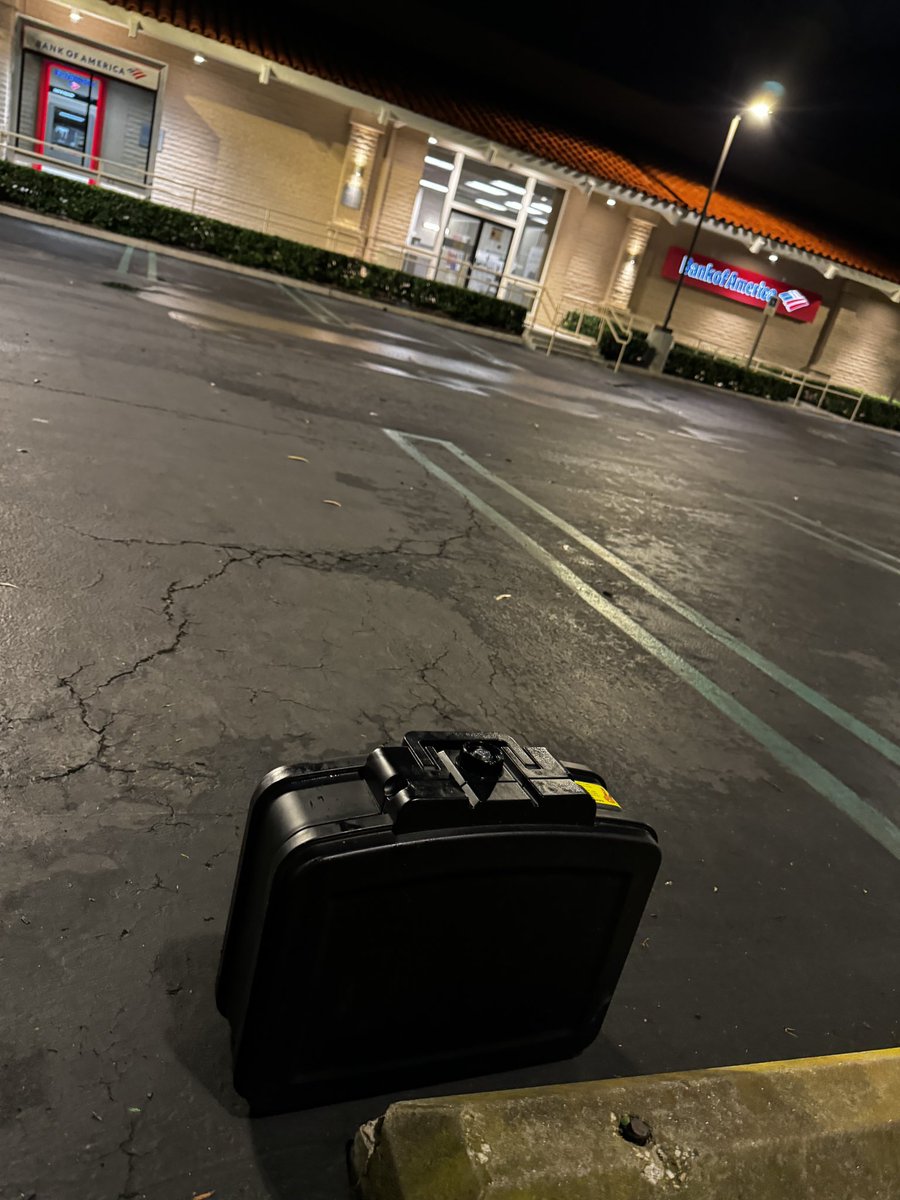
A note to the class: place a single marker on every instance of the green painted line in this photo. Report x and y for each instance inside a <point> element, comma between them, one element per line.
<point>825,533</point>
<point>838,794</point>
<point>125,261</point>
<point>151,266</point>
<point>859,729</point>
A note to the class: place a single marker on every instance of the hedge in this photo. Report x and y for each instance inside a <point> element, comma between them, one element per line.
<point>45,193</point>
<point>687,363</point>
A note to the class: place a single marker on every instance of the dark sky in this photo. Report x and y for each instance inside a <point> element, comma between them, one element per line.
<point>659,82</point>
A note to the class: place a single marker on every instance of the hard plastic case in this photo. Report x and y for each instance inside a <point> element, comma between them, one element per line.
<point>452,906</point>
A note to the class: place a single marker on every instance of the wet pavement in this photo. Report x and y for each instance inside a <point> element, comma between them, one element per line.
<point>229,539</point>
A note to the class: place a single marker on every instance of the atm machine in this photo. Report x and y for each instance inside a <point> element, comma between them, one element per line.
<point>70,105</point>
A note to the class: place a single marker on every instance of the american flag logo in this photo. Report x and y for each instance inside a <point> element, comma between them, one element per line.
<point>793,300</point>
<point>137,73</point>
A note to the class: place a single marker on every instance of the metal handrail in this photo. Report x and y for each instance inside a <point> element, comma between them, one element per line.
<point>619,321</point>
<point>202,199</point>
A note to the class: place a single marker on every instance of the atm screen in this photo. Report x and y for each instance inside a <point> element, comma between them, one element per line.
<point>69,130</point>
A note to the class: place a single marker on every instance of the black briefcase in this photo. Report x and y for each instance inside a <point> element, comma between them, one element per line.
<point>452,906</point>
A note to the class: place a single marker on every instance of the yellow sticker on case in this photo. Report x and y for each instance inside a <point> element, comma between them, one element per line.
<point>599,794</point>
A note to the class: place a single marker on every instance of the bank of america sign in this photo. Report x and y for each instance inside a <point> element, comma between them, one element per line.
<point>737,283</point>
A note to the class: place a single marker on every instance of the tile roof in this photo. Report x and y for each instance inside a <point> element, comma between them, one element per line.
<point>233,25</point>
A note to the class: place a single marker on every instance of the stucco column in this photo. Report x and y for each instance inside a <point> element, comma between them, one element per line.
<point>356,172</point>
<point>827,325</point>
<point>624,273</point>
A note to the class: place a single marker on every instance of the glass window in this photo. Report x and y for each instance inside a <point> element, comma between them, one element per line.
<point>434,185</point>
<point>543,213</point>
<point>493,191</point>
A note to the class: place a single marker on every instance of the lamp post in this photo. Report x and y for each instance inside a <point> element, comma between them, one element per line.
<point>760,109</point>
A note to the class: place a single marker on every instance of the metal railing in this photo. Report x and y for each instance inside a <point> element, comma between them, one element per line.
<point>202,198</point>
<point>591,320</point>
<point>810,382</point>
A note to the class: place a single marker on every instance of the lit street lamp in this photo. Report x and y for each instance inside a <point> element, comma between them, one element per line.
<point>760,109</point>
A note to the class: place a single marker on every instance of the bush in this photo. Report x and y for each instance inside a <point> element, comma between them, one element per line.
<point>44,193</point>
<point>731,376</point>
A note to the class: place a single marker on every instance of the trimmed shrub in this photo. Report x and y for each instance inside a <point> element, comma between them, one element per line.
<point>118,213</point>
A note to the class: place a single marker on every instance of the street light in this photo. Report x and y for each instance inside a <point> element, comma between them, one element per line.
<point>760,108</point>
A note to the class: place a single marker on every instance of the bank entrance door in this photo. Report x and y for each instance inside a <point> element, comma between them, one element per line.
<point>474,253</point>
<point>70,104</point>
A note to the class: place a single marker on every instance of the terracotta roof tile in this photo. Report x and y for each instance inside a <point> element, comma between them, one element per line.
<point>223,23</point>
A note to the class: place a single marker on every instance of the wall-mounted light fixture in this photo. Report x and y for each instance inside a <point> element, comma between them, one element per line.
<point>199,59</point>
<point>757,244</point>
<point>773,258</point>
<point>611,202</point>
<point>830,271</point>
<point>74,16</point>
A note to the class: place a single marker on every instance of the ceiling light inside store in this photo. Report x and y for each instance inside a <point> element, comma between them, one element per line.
<point>540,206</point>
<point>514,205</point>
<point>438,162</point>
<point>432,141</point>
<point>508,187</point>
<point>478,186</point>
<point>492,204</point>
<point>611,202</point>
<point>199,59</point>
<point>539,220</point>
<point>435,187</point>
<point>773,258</point>
<point>433,225</point>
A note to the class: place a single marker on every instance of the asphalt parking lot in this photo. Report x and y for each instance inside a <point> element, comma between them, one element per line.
<point>242,523</point>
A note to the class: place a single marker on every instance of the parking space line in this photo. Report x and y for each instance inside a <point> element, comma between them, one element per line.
<point>151,266</point>
<point>793,759</point>
<point>301,303</point>
<point>313,306</point>
<point>125,261</point>
<point>824,533</point>
<point>810,696</point>
<point>476,351</point>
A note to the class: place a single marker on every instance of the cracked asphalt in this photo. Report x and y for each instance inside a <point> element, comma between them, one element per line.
<point>214,560</point>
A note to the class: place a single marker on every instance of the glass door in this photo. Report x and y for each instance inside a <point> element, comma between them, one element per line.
<point>490,256</point>
<point>458,249</point>
<point>473,254</point>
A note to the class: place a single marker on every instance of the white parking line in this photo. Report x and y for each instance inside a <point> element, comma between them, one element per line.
<point>821,527</point>
<point>791,757</point>
<point>477,352</point>
<point>860,551</point>
<point>312,305</point>
<point>125,261</point>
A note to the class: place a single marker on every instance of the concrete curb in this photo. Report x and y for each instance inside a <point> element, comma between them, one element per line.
<point>807,1129</point>
<point>221,264</point>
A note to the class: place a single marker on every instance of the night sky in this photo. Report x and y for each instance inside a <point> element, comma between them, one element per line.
<point>659,82</point>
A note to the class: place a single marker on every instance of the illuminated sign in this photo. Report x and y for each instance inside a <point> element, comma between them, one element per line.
<point>737,283</point>
<point>80,54</point>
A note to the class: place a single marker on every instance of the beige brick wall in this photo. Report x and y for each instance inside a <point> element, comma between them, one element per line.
<point>403,161</point>
<point>596,246</point>
<point>864,345</point>
<point>246,146</point>
<point>564,245</point>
